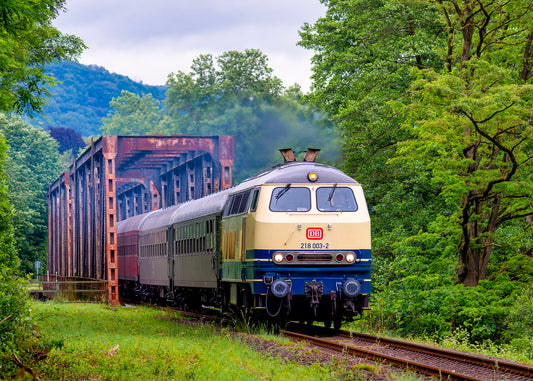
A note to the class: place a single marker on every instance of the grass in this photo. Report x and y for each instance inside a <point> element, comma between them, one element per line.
<point>98,342</point>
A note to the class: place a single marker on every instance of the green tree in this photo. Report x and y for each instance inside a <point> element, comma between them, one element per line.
<point>13,298</point>
<point>28,42</point>
<point>462,71</point>
<point>32,162</point>
<point>132,114</point>
<point>471,126</point>
<point>236,94</point>
<point>246,75</point>
<point>364,51</point>
<point>238,79</point>
<point>8,257</point>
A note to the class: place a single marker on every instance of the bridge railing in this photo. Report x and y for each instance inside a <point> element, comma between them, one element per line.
<point>68,288</point>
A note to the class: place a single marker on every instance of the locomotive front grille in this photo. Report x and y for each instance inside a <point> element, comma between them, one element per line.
<point>314,258</point>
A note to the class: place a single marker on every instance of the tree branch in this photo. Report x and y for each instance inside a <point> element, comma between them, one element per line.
<point>495,142</point>
<point>17,361</point>
<point>4,319</point>
<point>511,216</point>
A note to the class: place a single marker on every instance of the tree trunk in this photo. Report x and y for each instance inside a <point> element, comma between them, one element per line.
<point>467,28</point>
<point>473,260</point>
<point>476,241</point>
<point>528,58</point>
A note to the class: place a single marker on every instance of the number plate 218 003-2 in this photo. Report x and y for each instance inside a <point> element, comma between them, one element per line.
<point>314,245</point>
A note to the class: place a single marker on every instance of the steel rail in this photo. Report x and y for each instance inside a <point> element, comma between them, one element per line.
<point>501,365</point>
<point>374,355</point>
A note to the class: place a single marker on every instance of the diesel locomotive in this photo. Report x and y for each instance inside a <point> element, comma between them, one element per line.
<point>290,243</point>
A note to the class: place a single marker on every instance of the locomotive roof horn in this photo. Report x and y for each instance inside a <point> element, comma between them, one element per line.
<point>288,154</point>
<point>311,153</point>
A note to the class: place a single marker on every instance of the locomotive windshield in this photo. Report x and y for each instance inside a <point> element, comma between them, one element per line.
<point>333,199</point>
<point>288,199</point>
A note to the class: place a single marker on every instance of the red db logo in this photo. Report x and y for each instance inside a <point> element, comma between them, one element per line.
<point>314,233</point>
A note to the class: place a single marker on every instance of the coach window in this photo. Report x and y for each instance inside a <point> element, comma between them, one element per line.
<point>289,199</point>
<point>335,199</point>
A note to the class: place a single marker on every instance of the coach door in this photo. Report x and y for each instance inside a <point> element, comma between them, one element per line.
<point>171,252</point>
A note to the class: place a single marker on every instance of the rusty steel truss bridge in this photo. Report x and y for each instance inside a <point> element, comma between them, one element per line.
<point>119,177</point>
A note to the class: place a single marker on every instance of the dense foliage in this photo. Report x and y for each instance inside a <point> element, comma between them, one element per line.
<point>81,96</point>
<point>8,257</point>
<point>436,96</point>
<point>13,298</point>
<point>32,162</point>
<point>68,139</point>
<point>234,94</point>
<point>28,42</point>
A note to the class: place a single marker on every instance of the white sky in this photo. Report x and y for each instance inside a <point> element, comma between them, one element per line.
<point>148,39</point>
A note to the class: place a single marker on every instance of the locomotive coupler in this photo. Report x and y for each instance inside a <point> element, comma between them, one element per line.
<point>313,291</point>
<point>348,305</point>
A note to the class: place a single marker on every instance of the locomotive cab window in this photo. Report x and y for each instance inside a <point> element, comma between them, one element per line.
<point>335,199</point>
<point>289,199</point>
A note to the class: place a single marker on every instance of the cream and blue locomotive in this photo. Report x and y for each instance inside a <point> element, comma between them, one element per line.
<point>290,243</point>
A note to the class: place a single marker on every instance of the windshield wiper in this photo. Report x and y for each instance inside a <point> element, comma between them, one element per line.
<point>283,191</point>
<point>331,193</point>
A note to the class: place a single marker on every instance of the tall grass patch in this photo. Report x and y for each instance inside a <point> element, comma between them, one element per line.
<point>95,341</point>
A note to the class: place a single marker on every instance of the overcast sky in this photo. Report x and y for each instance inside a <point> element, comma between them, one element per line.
<point>148,39</point>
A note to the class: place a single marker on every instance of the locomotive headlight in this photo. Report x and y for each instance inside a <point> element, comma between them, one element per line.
<point>350,258</point>
<point>312,176</point>
<point>278,257</point>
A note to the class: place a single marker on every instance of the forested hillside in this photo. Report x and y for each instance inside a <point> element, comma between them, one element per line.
<point>81,97</point>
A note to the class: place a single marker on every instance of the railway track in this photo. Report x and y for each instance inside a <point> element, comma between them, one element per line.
<point>431,361</point>
<point>444,364</point>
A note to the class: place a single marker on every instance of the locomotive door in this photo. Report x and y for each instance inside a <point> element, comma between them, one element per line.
<point>243,240</point>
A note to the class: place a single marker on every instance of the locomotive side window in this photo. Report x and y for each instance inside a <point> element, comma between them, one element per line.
<point>237,203</point>
<point>287,199</point>
<point>335,199</point>
<point>255,197</point>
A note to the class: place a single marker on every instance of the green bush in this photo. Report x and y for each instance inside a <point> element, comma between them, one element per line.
<point>431,305</point>
<point>520,324</point>
<point>14,318</point>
